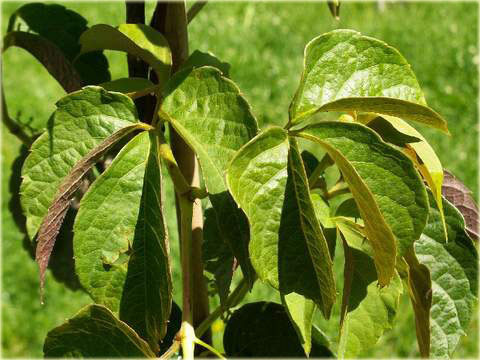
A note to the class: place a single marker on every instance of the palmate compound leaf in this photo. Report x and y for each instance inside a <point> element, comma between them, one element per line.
<point>61,27</point>
<point>120,242</point>
<point>209,113</point>
<point>388,191</point>
<point>139,40</point>
<point>94,332</point>
<point>263,329</point>
<point>453,267</point>
<point>346,71</point>
<point>268,181</point>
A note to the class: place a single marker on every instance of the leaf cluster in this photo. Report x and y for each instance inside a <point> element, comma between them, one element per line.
<point>406,225</point>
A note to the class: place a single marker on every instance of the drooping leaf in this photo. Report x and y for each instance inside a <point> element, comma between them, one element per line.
<point>461,197</point>
<point>139,40</point>
<point>346,71</point>
<point>301,239</point>
<point>95,332</point>
<point>309,161</point>
<point>199,58</point>
<point>257,177</point>
<point>453,267</point>
<point>420,291</point>
<point>421,153</point>
<point>52,222</point>
<point>82,121</point>
<point>127,85</point>
<point>217,256</point>
<point>370,310</point>
<point>322,212</point>
<point>268,181</point>
<point>62,27</point>
<point>300,311</point>
<point>49,55</point>
<point>391,133</point>
<point>209,113</point>
<point>120,243</point>
<point>263,329</point>
<point>388,191</point>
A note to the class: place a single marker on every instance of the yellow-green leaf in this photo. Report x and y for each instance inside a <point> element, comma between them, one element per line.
<point>388,191</point>
<point>139,40</point>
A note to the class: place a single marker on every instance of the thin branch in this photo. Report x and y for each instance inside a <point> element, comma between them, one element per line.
<point>319,170</point>
<point>235,297</point>
<point>194,10</point>
<point>12,126</point>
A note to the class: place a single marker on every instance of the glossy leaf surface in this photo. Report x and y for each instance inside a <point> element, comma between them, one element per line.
<point>95,332</point>
<point>82,121</point>
<point>136,39</point>
<point>346,71</point>
<point>209,113</point>
<point>268,181</point>
<point>388,191</point>
<point>120,240</point>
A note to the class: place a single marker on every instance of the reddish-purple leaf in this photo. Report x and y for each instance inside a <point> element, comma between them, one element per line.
<point>461,197</point>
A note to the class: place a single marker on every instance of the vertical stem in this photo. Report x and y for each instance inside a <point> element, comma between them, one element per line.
<point>171,19</point>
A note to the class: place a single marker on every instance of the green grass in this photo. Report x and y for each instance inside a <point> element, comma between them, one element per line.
<point>264,44</point>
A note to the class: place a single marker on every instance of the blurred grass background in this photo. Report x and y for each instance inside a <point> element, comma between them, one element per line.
<point>264,44</point>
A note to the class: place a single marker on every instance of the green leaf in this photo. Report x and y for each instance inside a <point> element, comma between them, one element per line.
<point>217,256</point>
<point>257,177</point>
<point>52,222</point>
<point>62,27</point>
<point>301,239</point>
<point>127,85</point>
<point>300,311</point>
<point>370,309</point>
<point>263,329</point>
<point>460,196</point>
<point>453,267</point>
<point>389,193</point>
<point>390,133</point>
<point>210,114</point>
<point>420,291</point>
<point>346,71</point>
<point>95,332</point>
<point>120,243</point>
<point>268,181</point>
<point>82,121</point>
<point>199,59</point>
<point>421,153</point>
<point>138,40</point>
<point>49,55</point>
